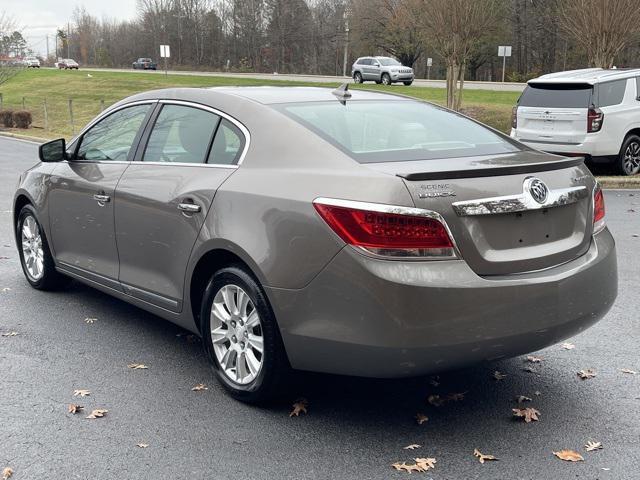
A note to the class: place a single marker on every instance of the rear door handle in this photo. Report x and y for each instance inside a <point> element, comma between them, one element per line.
<point>101,198</point>
<point>189,207</point>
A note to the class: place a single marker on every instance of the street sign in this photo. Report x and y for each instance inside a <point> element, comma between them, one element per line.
<point>164,51</point>
<point>429,62</point>
<point>504,51</point>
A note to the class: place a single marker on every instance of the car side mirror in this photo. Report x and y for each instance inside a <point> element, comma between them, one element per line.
<point>53,151</point>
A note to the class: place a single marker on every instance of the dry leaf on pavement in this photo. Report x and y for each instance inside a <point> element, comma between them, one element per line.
<point>200,387</point>
<point>299,406</point>
<point>137,366</point>
<point>435,400</point>
<point>421,418</point>
<point>529,414</point>
<point>533,359</point>
<point>482,457</point>
<point>522,399</point>
<point>6,473</point>
<point>455,397</point>
<point>10,334</point>
<point>568,346</point>
<point>586,374</point>
<point>81,393</point>
<point>591,446</point>
<point>90,320</point>
<point>426,463</point>
<point>569,456</point>
<point>97,413</point>
<point>498,375</point>
<point>628,370</point>
<point>6,289</point>
<point>407,468</point>
<point>413,446</point>
<point>142,445</point>
<point>73,408</point>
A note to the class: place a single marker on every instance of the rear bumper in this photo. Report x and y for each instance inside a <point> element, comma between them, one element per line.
<point>594,145</point>
<point>375,318</point>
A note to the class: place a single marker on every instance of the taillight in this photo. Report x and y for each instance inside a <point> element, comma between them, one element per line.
<point>514,117</point>
<point>598,210</point>
<point>595,119</point>
<point>387,230</point>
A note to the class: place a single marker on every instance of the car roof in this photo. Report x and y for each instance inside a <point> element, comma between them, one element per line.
<point>273,94</point>
<point>587,75</point>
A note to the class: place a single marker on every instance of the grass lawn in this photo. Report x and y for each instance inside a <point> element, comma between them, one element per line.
<point>58,86</point>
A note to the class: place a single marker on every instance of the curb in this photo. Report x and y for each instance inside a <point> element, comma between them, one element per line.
<point>19,136</point>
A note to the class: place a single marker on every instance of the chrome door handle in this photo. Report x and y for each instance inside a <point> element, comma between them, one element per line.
<point>101,198</point>
<point>189,207</point>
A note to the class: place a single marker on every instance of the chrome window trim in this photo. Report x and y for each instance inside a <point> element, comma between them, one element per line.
<point>398,210</point>
<point>521,202</point>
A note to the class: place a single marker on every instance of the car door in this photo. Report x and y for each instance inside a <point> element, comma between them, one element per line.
<point>374,70</point>
<point>82,193</point>
<point>366,69</point>
<point>163,198</point>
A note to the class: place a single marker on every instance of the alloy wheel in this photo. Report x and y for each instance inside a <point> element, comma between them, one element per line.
<point>236,334</point>
<point>32,251</point>
<point>631,160</point>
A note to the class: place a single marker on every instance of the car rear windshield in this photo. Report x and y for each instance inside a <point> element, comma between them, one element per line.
<point>549,95</point>
<point>397,131</point>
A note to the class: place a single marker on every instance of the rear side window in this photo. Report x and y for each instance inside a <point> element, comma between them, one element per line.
<point>365,61</point>
<point>550,95</point>
<point>393,131</point>
<point>227,145</point>
<point>611,93</point>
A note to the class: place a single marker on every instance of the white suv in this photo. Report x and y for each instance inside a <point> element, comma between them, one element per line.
<point>593,113</point>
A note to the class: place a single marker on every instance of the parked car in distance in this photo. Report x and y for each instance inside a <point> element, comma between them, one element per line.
<point>67,64</point>
<point>383,70</point>
<point>31,62</point>
<point>145,64</point>
<point>593,113</point>
<point>355,233</point>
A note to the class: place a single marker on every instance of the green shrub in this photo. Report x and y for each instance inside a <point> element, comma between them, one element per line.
<point>6,118</point>
<point>22,119</point>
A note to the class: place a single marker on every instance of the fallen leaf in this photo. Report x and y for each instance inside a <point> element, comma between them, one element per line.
<point>81,393</point>
<point>73,408</point>
<point>6,289</point>
<point>97,413</point>
<point>407,468</point>
<point>629,371</point>
<point>426,463</point>
<point>591,446</point>
<point>499,376</point>
<point>455,397</point>
<point>529,414</point>
<point>413,446</point>
<point>299,406</point>
<point>137,366</point>
<point>90,320</point>
<point>522,399</point>
<point>4,258</point>
<point>421,418</point>
<point>537,393</point>
<point>533,359</point>
<point>569,456</point>
<point>568,346</point>
<point>142,445</point>
<point>435,400</point>
<point>482,457</point>
<point>586,374</point>
<point>10,334</point>
<point>6,473</point>
<point>200,387</point>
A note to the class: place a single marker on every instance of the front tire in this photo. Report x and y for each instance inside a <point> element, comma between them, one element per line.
<point>35,255</point>
<point>408,83</point>
<point>241,337</point>
<point>357,77</point>
<point>386,79</point>
<point>629,158</point>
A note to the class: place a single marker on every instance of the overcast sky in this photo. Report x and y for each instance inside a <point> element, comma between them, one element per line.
<point>41,17</point>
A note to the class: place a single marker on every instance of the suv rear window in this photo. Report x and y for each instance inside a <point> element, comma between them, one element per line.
<point>394,131</point>
<point>550,95</point>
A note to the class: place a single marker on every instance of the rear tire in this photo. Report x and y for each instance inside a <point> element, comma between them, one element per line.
<point>357,77</point>
<point>628,162</point>
<point>35,255</point>
<point>386,79</point>
<point>240,327</point>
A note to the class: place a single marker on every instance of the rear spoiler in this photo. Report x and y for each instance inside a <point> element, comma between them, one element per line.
<point>474,169</point>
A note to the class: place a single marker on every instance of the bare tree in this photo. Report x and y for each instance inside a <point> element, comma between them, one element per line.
<point>454,27</point>
<point>7,29</point>
<point>604,27</point>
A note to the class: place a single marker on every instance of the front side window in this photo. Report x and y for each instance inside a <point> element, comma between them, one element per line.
<point>181,135</point>
<point>112,137</point>
<point>227,145</point>
<point>397,130</point>
<point>611,93</point>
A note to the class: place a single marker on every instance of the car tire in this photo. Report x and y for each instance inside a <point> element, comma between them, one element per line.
<point>35,256</point>
<point>239,336</point>
<point>629,158</point>
<point>357,77</point>
<point>408,83</point>
<point>386,79</point>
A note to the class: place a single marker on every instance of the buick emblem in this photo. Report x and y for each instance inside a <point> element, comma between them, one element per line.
<point>537,189</point>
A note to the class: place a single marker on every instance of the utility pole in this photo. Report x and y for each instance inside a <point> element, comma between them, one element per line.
<point>68,39</point>
<point>47,39</point>
<point>346,43</point>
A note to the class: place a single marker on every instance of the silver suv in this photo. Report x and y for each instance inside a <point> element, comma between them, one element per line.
<point>383,70</point>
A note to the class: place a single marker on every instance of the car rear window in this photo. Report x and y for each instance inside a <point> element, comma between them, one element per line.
<point>550,95</point>
<point>389,130</point>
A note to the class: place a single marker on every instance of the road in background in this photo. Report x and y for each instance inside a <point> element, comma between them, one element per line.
<point>355,428</point>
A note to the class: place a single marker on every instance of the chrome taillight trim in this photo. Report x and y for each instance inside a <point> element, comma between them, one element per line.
<point>397,210</point>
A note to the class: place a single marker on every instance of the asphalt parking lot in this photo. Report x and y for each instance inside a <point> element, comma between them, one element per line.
<point>354,428</point>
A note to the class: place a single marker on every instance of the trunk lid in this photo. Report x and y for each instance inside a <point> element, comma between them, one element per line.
<point>495,221</point>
